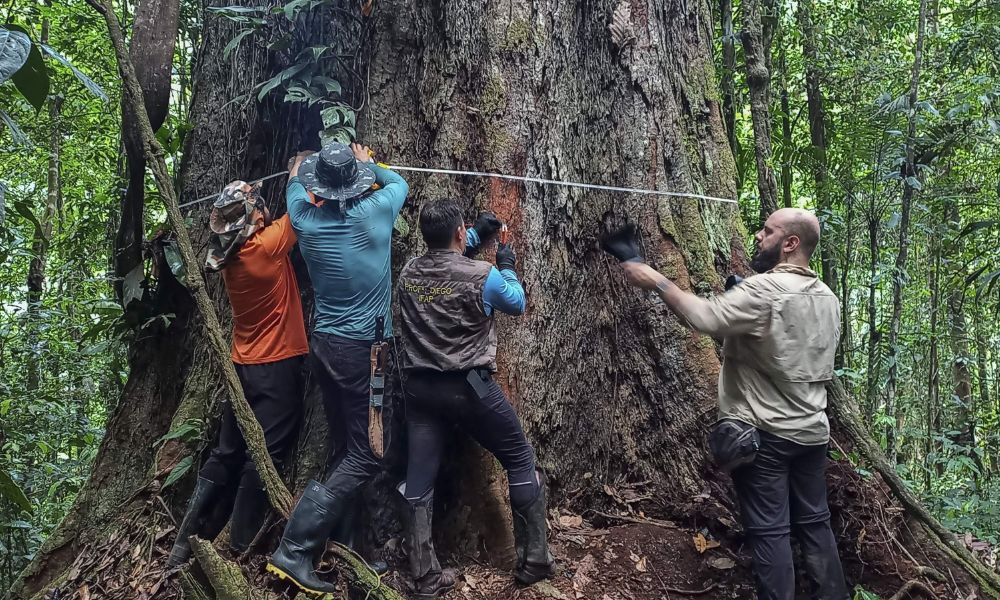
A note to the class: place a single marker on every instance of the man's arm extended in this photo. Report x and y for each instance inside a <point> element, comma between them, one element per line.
<point>742,310</point>
<point>296,197</point>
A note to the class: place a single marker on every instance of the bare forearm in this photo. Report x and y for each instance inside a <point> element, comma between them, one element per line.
<point>683,304</point>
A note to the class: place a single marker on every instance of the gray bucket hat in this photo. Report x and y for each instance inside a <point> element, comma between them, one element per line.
<point>334,174</point>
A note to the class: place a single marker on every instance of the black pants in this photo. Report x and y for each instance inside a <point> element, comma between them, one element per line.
<point>434,401</point>
<point>274,392</point>
<point>343,368</point>
<point>785,489</point>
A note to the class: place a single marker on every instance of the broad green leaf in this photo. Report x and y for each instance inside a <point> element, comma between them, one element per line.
<point>21,207</point>
<point>86,81</point>
<point>235,43</point>
<point>14,49</point>
<point>278,79</point>
<point>186,431</point>
<point>32,79</point>
<point>13,492</point>
<point>178,471</point>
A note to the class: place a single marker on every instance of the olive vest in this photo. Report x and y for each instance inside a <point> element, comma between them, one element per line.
<point>444,323</point>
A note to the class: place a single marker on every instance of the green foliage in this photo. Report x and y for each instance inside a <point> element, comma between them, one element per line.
<point>309,79</point>
<point>62,356</point>
<point>945,411</point>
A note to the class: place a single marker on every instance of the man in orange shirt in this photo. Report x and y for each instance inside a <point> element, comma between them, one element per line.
<point>269,345</point>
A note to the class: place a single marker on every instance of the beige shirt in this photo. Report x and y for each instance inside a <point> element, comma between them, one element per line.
<point>780,331</point>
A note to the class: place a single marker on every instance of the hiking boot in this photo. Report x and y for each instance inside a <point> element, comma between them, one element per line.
<point>430,581</point>
<point>249,513</point>
<point>534,562</point>
<point>343,534</point>
<point>199,508</point>
<point>305,538</point>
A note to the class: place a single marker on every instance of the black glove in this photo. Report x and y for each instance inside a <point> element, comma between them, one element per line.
<point>733,281</point>
<point>506,258</point>
<point>487,225</point>
<point>623,244</point>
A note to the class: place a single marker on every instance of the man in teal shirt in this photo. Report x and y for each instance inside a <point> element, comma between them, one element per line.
<point>345,237</point>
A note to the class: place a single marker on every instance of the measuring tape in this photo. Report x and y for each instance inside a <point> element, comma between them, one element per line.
<point>522,178</point>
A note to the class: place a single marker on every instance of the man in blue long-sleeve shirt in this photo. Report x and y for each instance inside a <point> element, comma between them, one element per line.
<point>345,238</point>
<point>447,304</point>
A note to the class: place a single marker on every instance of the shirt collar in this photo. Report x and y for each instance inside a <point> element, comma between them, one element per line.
<point>790,268</point>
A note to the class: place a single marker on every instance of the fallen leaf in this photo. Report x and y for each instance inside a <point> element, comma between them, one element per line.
<point>469,579</point>
<point>722,563</point>
<point>547,589</point>
<point>366,8</point>
<point>701,544</point>
<point>84,592</point>
<point>570,521</point>
<point>641,565</point>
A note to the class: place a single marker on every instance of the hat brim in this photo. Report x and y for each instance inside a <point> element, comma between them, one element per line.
<point>363,181</point>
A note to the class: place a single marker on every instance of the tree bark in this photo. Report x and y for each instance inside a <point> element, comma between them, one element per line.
<point>727,84</point>
<point>759,82</point>
<point>910,185</point>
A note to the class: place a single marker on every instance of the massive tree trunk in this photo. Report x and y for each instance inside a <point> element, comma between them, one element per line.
<point>611,388</point>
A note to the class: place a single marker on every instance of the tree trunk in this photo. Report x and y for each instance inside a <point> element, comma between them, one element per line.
<point>154,31</point>
<point>728,74</point>
<point>817,136</point>
<point>910,185</point>
<point>42,237</point>
<point>933,405</point>
<point>610,387</point>
<point>845,354</point>
<point>786,129</point>
<point>958,334</point>
<point>759,81</point>
<point>874,333</point>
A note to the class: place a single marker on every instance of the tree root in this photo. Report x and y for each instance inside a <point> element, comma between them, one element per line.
<point>912,586</point>
<point>844,409</point>
<point>225,577</point>
<point>229,583</point>
<point>365,578</point>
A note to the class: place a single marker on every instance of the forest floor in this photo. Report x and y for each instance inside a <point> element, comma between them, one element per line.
<point>629,551</point>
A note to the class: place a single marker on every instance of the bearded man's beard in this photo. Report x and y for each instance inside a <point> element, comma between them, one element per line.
<point>765,259</point>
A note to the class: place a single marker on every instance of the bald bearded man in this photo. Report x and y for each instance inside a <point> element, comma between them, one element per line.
<point>780,330</point>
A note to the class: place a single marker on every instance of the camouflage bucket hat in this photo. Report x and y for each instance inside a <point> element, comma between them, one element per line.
<point>231,223</point>
<point>334,174</point>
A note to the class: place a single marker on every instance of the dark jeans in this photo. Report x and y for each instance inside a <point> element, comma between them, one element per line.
<point>785,489</point>
<point>342,367</point>
<point>274,392</point>
<point>434,401</point>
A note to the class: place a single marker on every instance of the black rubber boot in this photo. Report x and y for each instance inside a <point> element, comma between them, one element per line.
<point>200,507</point>
<point>430,581</point>
<point>534,562</point>
<point>305,538</point>
<point>248,515</point>
<point>343,533</point>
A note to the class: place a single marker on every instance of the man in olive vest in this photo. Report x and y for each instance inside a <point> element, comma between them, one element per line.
<point>447,303</point>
